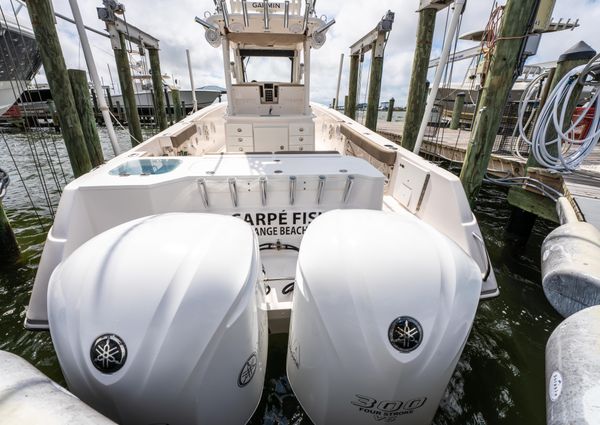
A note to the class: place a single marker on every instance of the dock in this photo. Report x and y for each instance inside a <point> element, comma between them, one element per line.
<point>582,187</point>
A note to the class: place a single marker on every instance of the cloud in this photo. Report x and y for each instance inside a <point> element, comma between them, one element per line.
<point>173,24</point>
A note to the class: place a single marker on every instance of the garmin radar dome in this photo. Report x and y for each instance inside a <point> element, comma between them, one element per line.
<point>172,331</point>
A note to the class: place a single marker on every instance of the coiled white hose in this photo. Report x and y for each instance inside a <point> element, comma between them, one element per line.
<point>570,152</point>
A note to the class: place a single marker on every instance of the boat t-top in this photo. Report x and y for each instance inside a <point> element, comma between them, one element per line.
<point>168,267</point>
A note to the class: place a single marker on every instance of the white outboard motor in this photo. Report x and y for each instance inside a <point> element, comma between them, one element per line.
<point>383,306</point>
<point>162,320</point>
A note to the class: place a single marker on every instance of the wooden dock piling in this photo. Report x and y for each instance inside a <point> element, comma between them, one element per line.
<point>529,206</point>
<point>44,27</point>
<point>417,92</point>
<point>577,55</point>
<point>353,86</point>
<point>157,85</point>
<point>9,248</point>
<point>109,102</point>
<point>515,25</point>
<point>177,104</point>
<point>390,111</point>
<point>81,93</point>
<point>459,103</point>
<point>131,111</point>
<point>374,89</point>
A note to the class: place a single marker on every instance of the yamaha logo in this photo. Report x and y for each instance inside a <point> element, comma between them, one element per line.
<point>405,334</point>
<point>108,353</point>
<point>248,370</point>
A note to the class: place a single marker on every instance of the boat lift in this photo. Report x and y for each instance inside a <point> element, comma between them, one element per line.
<point>375,41</point>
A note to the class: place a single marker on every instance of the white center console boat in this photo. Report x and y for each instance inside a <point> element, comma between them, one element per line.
<point>167,267</point>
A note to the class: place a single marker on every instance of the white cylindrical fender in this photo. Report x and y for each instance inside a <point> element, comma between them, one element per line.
<point>573,370</point>
<point>163,320</point>
<point>382,309</point>
<point>29,397</point>
<point>571,267</point>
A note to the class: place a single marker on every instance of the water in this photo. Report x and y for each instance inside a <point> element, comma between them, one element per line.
<point>500,376</point>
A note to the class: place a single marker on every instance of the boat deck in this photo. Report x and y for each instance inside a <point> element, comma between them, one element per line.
<point>582,187</point>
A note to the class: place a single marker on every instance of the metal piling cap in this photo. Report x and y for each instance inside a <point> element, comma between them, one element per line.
<point>581,50</point>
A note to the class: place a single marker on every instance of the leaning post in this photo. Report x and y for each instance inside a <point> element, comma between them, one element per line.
<point>459,103</point>
<point>44,28</point>
<point>514,28</point>
<point>390,111</point>
<point>131,111</point>
<point>417,92</point>
<point>157,84</point>
<point>85,111</point>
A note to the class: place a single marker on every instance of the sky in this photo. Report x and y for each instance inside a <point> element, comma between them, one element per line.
<point>172,22</point>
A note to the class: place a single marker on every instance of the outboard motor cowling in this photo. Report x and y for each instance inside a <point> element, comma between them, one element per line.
<point>162,320</point>
<point>383,306</point>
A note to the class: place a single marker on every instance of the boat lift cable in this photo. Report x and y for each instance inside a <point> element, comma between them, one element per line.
<point>554,114</point>
<point>27,192</point>
<point>31,143</point>
<point>40,137</point>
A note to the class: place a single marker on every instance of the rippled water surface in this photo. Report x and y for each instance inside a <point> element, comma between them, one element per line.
<point>500,376</point>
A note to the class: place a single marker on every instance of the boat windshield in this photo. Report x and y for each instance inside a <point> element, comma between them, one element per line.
<point>276,66</point>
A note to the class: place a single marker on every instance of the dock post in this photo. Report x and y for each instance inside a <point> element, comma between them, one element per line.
<point>346,105</point>
<point>157,85</point>
<point>417,92</point>
<point>390,111</point>
<point>9,248</point>
<point>459,103</point>
<point>109,100</point>
<point>515,25</point>
<point>352,86</point>
<point>87,119</point>
<point>374,89</point>
<point>44,27</point>
<point>119,112</point>
<point>577,55</point>
<point>168,109</point>
<point>131,111</point>
<point>177,104</point>
<point>523,216</point>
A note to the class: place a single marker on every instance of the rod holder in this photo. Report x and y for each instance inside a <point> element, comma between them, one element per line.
<point>320,187</point>
<point>233,191</point>
<point>325,27</point>
<point>286,14</point>
<point>348,189</point>
<point>266,13</point>
<point>225,13</point>
<point>205,24</point>
<point>306,16</point>
<point>263,190</point>
<point>245,13</point>
<point>292,189</point>
<point>203,192</point>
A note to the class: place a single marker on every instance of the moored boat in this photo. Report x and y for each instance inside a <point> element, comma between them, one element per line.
<point>167,267</point>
